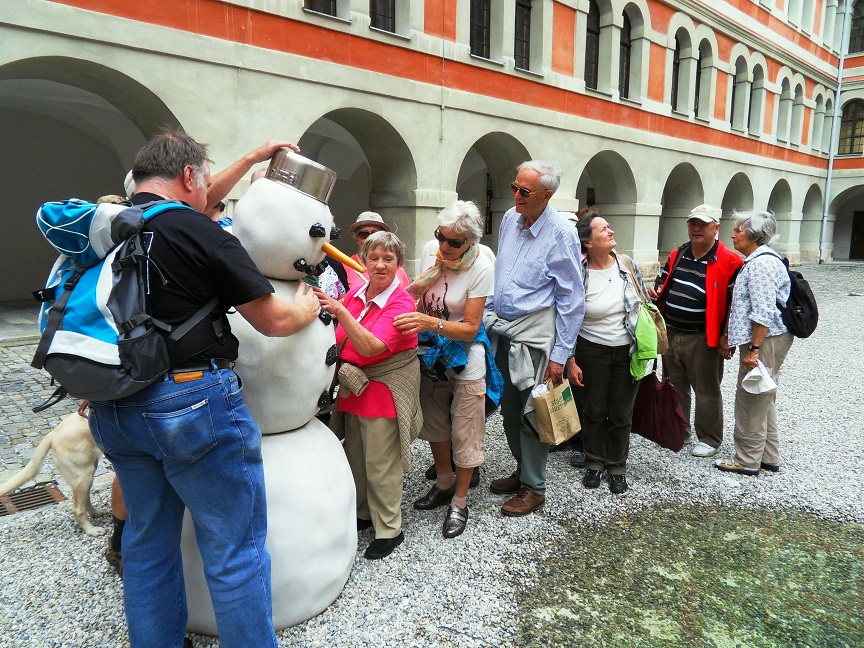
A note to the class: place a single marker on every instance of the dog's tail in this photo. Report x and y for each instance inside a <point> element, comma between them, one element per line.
<point>31,469</point>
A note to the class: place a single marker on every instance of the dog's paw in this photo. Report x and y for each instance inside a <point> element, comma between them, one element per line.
<point>93,531</point>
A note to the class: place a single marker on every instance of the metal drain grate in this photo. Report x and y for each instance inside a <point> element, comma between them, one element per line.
<point>27,499</point>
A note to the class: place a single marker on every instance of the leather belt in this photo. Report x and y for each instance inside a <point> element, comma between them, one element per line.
<point>190,371</point>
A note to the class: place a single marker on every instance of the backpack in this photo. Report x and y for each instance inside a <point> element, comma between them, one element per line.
<point>99,340</point>
<point>800,313</point>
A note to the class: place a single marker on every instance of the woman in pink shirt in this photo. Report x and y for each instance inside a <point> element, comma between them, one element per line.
<point>378,409</point>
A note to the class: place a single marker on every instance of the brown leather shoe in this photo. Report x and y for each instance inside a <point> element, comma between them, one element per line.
<point>506,485</point>
<point>526,502</point>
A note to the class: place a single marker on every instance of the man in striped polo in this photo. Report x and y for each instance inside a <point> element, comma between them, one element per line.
<point>692,292</point>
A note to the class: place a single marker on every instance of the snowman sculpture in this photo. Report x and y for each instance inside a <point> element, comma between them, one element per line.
<point>284,223</point>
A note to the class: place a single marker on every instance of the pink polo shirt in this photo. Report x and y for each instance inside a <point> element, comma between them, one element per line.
<point>376,400</point>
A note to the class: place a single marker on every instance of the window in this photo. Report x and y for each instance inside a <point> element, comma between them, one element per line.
<point>592,46</point>
<point>698,88</point>
<point>852,128</point>
<point>480,24</point>
<point>383,14</point>
<point>856,35</point>
<point>676,73</point>
<point>624,62</point>
<point>522,42</point>
<point>322,6</point>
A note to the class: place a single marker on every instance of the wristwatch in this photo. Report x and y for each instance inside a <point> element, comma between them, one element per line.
<point>441,324</point>
<point>752,346</point>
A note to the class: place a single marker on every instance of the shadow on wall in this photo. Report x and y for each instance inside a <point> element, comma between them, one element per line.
<point>43,159</point>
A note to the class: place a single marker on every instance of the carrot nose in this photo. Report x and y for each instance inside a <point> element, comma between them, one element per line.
<point>337,254</point>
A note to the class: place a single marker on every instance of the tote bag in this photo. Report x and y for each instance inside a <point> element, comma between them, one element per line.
<point>657,413</point>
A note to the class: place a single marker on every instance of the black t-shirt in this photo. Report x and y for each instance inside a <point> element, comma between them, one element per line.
<point>193,260</point>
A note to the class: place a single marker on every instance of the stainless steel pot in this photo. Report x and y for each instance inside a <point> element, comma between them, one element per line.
<point>302,174</point>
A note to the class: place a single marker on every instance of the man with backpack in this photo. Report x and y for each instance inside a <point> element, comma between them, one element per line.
<point>187,440</point>
<point>692,292</point>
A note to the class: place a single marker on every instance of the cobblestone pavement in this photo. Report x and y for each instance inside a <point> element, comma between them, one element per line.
<point>22,387</point>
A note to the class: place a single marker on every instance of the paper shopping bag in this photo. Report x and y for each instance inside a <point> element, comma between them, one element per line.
<point>557,418</point>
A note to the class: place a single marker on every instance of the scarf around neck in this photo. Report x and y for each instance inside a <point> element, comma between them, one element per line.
<point>428,277</point>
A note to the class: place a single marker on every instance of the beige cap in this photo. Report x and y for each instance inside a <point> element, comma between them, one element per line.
<point>706,214</point>
<point>369,218</point>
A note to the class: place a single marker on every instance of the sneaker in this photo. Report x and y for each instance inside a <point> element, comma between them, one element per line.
<point>577,459</point>
<point>702,449</point>
<point>592,478</point>
<point>691,439</point>
<point>617,484</point>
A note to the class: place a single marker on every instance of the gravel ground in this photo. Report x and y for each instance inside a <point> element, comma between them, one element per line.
<point>57,589</point>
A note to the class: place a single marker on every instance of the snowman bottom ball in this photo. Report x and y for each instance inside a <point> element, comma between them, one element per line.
<point>311,529</point>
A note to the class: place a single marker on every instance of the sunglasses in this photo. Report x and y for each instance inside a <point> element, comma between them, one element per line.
<point>364,234</point>
<point>454,243</point>
<point>522,190</point>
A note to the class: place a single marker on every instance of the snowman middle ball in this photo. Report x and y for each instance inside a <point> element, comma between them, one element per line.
<point>284,377</point>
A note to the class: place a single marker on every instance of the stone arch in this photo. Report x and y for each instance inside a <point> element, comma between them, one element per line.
<point>681,193</point>
<point>609,177</point>
<point>78,125</point>
<point>738,196</point>
<point>375,170</point>
<point>811,224</point>
<point>487,169</point>
<point>844,224</point>
<point>781,204</point>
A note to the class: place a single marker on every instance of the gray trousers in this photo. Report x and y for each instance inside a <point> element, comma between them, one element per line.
<point>692,364</point>
<point>529,452</point>
<point>756,437</point>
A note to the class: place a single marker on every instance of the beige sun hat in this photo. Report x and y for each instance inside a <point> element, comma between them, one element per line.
<point>369,218</point>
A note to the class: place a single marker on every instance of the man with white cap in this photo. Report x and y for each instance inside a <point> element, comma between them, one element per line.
<point>369,222</point>
<point>692,292</point>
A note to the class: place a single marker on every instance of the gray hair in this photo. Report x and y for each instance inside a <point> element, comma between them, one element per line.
<point>166,155</point>
<point>387,240</point>
<point>760,226</point>
<point>464,218</point>
<point>550,173</point>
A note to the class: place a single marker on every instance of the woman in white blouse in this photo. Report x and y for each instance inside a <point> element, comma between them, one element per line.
<point>757,329</point>
<point>601,362</point>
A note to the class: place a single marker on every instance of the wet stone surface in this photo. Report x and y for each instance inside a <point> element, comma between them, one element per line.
<point>700,576</point>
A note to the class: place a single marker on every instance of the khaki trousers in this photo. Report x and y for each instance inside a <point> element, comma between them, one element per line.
<point>756,436</point>
<point>692,364</point>
<point>372,448</point>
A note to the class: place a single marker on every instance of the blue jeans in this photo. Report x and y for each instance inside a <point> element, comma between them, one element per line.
<point>190,445</point>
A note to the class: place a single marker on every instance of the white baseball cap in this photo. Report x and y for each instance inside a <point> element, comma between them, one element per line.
<point>706,214</point>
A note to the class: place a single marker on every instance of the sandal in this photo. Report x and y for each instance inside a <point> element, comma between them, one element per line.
<point>115,559</point>
<point>732,465</point>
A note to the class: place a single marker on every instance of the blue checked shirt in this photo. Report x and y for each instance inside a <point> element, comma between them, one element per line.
<point>451,354</point>
<point>538,267</point>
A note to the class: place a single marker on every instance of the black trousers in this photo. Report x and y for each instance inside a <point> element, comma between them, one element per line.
<point>608,410</point>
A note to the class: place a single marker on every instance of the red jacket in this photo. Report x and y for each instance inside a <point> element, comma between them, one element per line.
<point>722,268</point>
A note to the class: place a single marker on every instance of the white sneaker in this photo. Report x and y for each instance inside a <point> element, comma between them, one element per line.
<point>703,450</point>
<point>691,439</point>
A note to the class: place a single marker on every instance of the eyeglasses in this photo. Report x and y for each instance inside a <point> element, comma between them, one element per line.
<point>364,234</point>
<point>522,190</point>
<point>454,243</point>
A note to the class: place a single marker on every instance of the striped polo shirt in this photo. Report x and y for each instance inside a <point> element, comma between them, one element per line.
<point>685,295</point>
